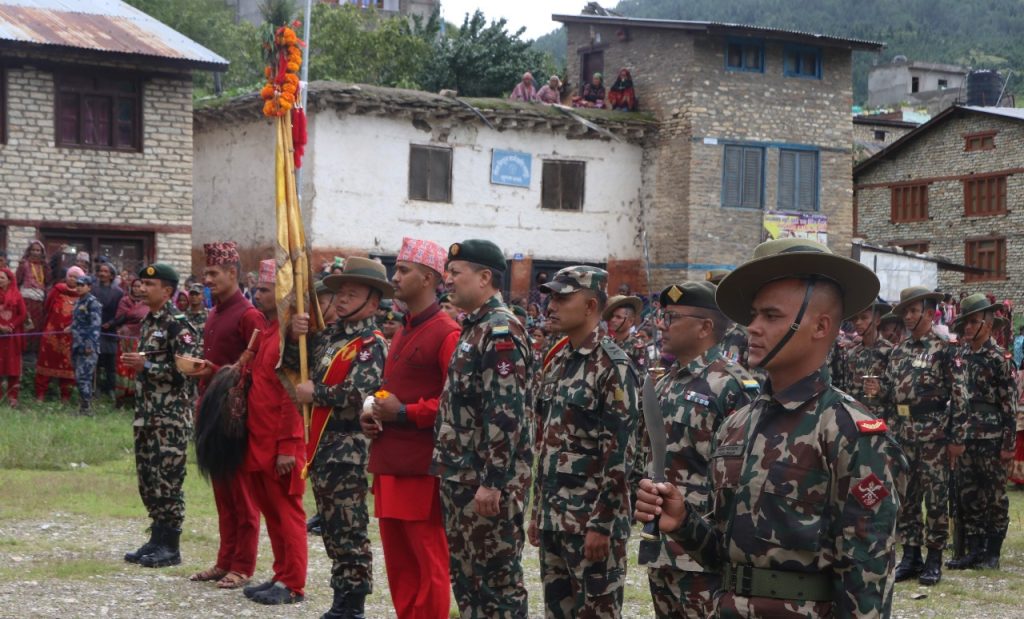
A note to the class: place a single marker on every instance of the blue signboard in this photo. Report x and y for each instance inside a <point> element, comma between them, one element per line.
<point>509,167</point>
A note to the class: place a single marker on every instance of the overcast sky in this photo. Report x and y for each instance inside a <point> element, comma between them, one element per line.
<point>534,14</point>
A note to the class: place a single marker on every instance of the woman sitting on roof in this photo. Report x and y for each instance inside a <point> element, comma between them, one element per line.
<point>593,93</point>
<point>551,93</point>
<point>525,90</point>
<point>621,96</point>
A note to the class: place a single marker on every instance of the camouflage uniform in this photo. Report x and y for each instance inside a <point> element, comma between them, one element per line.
<point>694,398</point>
<point>916,387</point>
<point>483,436</point>
<point>163,413</point>
<point>862,360</point>
<point>588,403</point>
<point>734,344</point>
<point>337,472</point>
<point>86,318</point>
<point>984,419</point>
<point>198,320</point>
<point>803,506</point>
<point>641,454</point>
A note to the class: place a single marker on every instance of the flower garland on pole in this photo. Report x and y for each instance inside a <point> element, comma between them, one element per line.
<point>293,291</point>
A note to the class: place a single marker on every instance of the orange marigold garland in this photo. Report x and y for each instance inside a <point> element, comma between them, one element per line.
<point>280,94</point>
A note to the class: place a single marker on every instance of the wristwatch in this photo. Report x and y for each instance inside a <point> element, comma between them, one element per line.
<point>401,416</point>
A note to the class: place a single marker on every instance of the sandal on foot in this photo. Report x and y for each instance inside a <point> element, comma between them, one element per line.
<point>232,580</point>
<point>213,573</point>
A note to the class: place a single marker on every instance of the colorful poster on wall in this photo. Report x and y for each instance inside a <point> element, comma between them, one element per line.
<point>788,225</point>
<point>509,167</point>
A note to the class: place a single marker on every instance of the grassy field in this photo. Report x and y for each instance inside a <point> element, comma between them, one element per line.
<point>69,509</point>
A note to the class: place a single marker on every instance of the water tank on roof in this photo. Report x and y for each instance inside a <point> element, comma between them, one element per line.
<point>899,59</point>
<point>983,87</point>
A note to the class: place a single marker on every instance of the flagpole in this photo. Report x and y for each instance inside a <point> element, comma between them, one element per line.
<point>304,81</point>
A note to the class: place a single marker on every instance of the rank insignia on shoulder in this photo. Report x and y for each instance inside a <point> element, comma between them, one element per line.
<point>504,368</point>
<point>870,491</point>
<point>500,330</point>
<point>504,345</point>
<point>872,426</point>
<point>750,384</point>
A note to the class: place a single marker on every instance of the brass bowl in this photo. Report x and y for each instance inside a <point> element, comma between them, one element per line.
<point>188,364</point>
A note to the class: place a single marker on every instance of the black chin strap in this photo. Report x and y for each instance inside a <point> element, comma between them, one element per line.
<point>345,317</point>
<point>793,328</point>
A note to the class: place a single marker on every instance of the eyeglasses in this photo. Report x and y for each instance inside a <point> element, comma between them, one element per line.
<point>669,317</point>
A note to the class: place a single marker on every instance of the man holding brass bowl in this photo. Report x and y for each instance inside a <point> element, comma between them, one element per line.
<point>163,414</point>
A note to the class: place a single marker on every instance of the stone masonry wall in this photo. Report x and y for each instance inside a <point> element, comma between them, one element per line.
<point>82,188</point>
<point>938,157</point>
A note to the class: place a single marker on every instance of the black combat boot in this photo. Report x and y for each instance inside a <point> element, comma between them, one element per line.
<point>85,408</point>
<point>313,524</point>
<point>167,552</point>
<point>911,564</point>
<point>974,555</point>
<point>932,573</point>
<point>143,550</point>
<point>993,548</point>
<point>346,605</point>
<point>252,590</point>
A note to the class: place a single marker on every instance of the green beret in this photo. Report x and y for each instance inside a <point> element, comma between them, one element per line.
<point>478,251</point>
<point>394,315</point>
<point>575,278</point>
<point>692,294</point>
<point>519,310</point>
<point>161,271</point>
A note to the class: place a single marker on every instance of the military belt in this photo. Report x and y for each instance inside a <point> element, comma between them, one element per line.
<point>343,425</point>
<point>927,408</point>
<point>750,581</point>
<point>979,406</point>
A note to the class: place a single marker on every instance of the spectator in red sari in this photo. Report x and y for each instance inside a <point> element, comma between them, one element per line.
<point>128,323</point>
<point>33,278</point>
<point>621,96</point>
<point>12,317</point>
<point>55,349</point>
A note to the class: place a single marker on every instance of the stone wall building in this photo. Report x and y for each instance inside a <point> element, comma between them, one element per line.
<point>872,133</point>
<point>952,188</point>
<point>96,132</point>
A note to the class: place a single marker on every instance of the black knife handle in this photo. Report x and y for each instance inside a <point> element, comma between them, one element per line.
<point>651,530</point>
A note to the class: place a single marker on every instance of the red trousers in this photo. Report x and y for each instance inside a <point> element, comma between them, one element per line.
<point>416,558</point>
<point>42,382</point>
<point>286,526</point>
<point>239,523</point>
<point>13,389</point>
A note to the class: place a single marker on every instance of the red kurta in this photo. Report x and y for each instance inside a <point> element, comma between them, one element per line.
<point>275,429</point>
<point>12,316</point>
<point>55,350</point>
<point>226,334</point>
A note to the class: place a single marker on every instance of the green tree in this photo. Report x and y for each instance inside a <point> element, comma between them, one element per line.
<point>481,60</point>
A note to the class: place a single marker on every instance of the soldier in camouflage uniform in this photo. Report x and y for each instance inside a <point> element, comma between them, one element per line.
<point>867,359</point>
<point>804,480</point>
<point>890,328</point>
<point>197,312</point>
<point>346,362</point>
<point>483,439</point>
<point>588,404</point>
<point>163,415</point>
<point>86,319</point>
<point>984,423</point>
<point>699,391</point>
<point>914,393</point>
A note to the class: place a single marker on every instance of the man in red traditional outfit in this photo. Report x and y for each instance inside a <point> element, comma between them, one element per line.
<point>275,457</point>
<point>227,333</point>
<point>406,496</point>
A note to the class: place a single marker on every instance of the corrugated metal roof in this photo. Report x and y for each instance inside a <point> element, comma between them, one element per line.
<point>101,25</point>
<point>710,26</point>
<point>1015,113</point>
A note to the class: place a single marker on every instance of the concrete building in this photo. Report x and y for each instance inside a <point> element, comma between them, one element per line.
<point>903,81</point>
<point>751,120</point>
<point>742,130</point>
<point>249,10</point>
<point>96,131</point>
<point>951,188</point>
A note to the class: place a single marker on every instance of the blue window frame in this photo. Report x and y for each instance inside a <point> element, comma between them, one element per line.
<point>798,180</point>
<point>743,176</point>
<point>744,55</point>
<point>802,61</point>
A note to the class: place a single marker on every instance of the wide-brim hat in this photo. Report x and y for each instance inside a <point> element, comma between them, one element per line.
<point>890,317</point>
<point>362,271</point>
<point>621,300</point>
<point>976,304</point>
<point>909,296</point>
<point>795,259</point>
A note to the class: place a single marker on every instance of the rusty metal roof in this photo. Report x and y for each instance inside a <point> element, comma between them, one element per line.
<point>106,26</point>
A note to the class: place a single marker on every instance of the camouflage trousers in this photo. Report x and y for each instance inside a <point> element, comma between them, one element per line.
<point>160,450</point>
<point>577,588</point>
<point>85,374</point>
<point>485,553</point>
<point>679,594</point>
<point>927,482</point>
<point>982,482</point>
<point>340,489</point>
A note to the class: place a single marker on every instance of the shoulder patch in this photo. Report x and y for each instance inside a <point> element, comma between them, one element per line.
<point>872,426</point>
<point>500,330</point>
<point>613,350</point>
<point>749,384</point>
<point>870,491</point>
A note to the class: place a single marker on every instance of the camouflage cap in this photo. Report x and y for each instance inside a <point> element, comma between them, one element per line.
<point>576,278</point>
<point>195,288</point>
<point>519,311</point>
<point>692,294</point>
<point>715,276</point>
<point>161,271</point>
<point>974,304</point>
<point>478,251</point>
<point>621,300</point>
<point>795,258</point>
<point>909,296</point>
<point>890,317</point>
